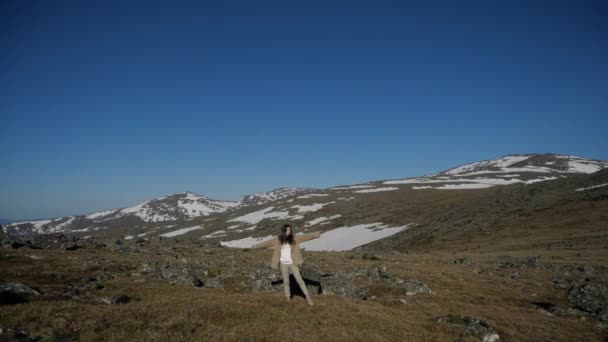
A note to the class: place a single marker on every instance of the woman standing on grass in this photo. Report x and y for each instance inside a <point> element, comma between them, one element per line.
<point>287,256</point>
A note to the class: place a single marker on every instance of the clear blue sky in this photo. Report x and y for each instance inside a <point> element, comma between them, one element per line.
<point>106,104</point>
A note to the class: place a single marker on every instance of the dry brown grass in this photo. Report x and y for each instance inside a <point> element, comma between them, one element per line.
<point>165,312</point>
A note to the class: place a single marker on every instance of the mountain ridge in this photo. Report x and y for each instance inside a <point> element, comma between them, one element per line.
<point>188,209</point>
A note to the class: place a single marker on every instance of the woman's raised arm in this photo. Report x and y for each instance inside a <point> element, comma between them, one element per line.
<point>306,237</point>
<point>267,243</point>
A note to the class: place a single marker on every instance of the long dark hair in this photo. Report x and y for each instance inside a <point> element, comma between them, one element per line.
<point>286,239</point>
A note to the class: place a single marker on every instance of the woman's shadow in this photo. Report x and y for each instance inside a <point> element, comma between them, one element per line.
<point>313,286</point>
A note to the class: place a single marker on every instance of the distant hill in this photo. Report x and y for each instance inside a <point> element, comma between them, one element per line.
<point>466,202</point>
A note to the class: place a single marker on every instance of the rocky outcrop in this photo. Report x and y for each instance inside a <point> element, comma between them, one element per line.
<point>514,262</point>
<point>349,283</point>
<point>14,293</point>
<point>471,326</point>
<point>51,241</point>
<point>591,295</point>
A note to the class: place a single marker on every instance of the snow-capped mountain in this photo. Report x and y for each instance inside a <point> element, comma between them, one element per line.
<point>537,163</point>
<point>277,194</point>
<point>183,205</point>
<point>187,212</point>
<point>510,169</point>
<point>177,207</point>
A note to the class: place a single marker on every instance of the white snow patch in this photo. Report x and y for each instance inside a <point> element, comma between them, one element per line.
<point>214,234</point>
<point>101,214</point>
<point>195,205</point>
<point>146,213</point>
<point>352,187</point>
<point>257,216</point>
<point>476,183</point>
<point>312,195</point>
<point>245,242</point>
<point>322,219</point>
<point>592,187</point>
<point>180,231</point>
<point>388,188</point>
<point>312,207</point>
<point>128,237</point>
<point>349,237</point>
<point>80,230</point>
<point>539,180</point>
<point>463,186</point>
<point>499,163</point>
<point>37,224</point>
<point>583,166</point>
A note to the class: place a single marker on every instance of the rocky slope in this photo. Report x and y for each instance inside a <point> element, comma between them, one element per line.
<point>349,216</point>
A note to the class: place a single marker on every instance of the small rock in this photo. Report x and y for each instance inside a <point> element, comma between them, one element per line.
<point>369,256</point>
<point>414,286</point>
<point>471,326</point>
<point>384,273</point>
<point>118,299</point>
<point>549,308</point>
<point>560,282</point>
<point>462,261</point>
<point>71,246</point>
<point>197,282</point>
<point>407,300</point>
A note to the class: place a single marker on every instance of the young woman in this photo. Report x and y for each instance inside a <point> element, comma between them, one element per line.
<point>287,256</point>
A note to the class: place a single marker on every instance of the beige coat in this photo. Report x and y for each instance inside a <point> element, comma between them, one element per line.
<point>296,254</point>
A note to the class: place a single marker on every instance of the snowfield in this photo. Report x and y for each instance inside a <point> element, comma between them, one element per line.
<point>352,187</point>
<point>321,219</point>
<point>388,188</point>
<point>347,238</point>
<point>339,239</point>
<point>311,196</point>
<point>101,214</point>
<point>463,186</point>
<point>476,183</point>
<point>310,208</point>
<point>257,216</point>
<point>181,231</point>
<point>245,242</point>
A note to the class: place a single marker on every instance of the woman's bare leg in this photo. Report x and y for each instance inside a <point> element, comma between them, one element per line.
<point>285,273</point>
<point>296,273</point>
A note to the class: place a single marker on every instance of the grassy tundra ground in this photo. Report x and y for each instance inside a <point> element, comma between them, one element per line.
<point>506,255</point>
<point>160,311</point>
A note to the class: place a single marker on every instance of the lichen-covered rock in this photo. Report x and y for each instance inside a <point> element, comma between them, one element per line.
<point>463,261</point>
<point>14,292</point>
<point>343,283</point>
<point>471,326</point>
<point>117,299</point>
<point>410,287</point>
<point>529,262</point>
<point>591,295</point>
<point>414,286</point>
